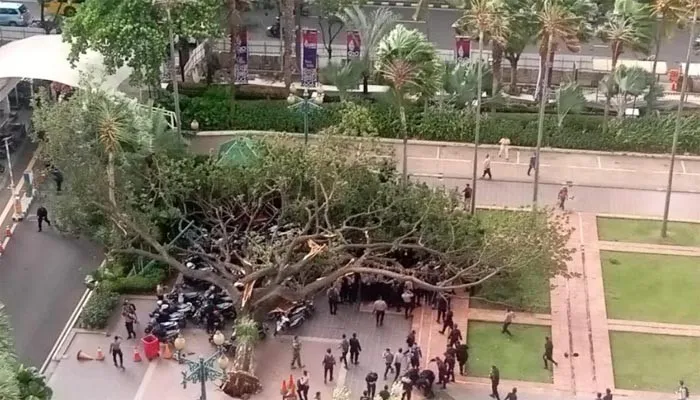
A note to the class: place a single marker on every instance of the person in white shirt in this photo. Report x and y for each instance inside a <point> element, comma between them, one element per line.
<point>487,167</point>
<point>503,150</point>
<point>683,392</point>
<point>303,386</point>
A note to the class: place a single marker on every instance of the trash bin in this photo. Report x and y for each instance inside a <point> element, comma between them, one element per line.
<point>151,346</point>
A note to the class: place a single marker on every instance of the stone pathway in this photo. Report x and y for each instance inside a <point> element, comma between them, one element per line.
<point>650,248</point>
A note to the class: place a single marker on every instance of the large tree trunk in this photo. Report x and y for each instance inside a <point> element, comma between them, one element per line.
<point>233,27</point>
<point>513,86</point>
<point>497,66</point>
<point>241,381</point>
<point>616,52</point>
<point>111,179</point>
<point>541,74</point>
<point>652,98</point>
<point>287,28</point>
<point>297,33</point>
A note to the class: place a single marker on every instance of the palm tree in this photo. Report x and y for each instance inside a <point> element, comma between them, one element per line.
<point>372,29</point>
<point>692,8</point>
<point>343,77</point>
<point>570,99</point>
<point>627,27</point>
<point>409,62</point>
<point>288,39</point>
<point>557,25</point>
<point>460,82</point>
<point>113,121</point>
<point>484,18</point>
<point>628,84</point>
<point>667,14</point>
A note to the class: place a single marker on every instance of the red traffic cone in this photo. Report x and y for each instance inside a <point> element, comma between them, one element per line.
<point>137,356</point>
<point>283,390</point>
<point>83,356</point>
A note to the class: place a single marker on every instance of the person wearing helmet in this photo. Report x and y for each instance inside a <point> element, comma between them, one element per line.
<point>129,314</point>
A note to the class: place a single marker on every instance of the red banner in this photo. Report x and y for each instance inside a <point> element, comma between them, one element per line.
<point>463,46</point>
<point>354,45</point>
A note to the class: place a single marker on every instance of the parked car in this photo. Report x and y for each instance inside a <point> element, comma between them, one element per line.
<point>67,8</point>
<point>14,14</point>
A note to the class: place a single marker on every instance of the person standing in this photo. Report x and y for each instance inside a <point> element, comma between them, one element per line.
<point>407,386</point>
<point>296,353</point>
<point>411,339</point>
<point>447,321</point>
<point>328,363</point>
<point>462,357</point>
<point>116,349</point>
<point>303,386</point>
<point>455,336</point>
<point>507,321</point>
<point>512,395</point>
<point>487,167</point>
<point>397,363</point>
<point>495,377</point>
<point>467,197</point>
<point>371,380</point>
<point>355,349</point>
<point>42,215</point>
<point>58,178</point>
<point>388,357</point>
<point>407,297</point>
<point>450,363</point>
<point>548,352</point>
<point>385,394</point>
<point>333,299</point>
<point>562,196</point>
<point>416,355</point>
<point>344,348</point>
<point>441,307</point>
<point>379,309</point>
<point>683,392</point>
<point>504,148</point>
<point>130,319</point>
<point>608,394</point>
<point>533,164</point>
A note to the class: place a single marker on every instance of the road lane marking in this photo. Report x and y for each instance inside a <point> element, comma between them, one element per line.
<point>438,151</point>
<point>517,157</point>
<point>18,188</point>
<point>147,377</point>
<point>600,163</point>
<point>683,166</point>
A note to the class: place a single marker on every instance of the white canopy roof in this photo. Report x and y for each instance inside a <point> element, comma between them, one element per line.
<point>46,57</point>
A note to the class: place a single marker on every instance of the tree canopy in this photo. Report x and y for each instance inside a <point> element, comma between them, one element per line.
<point>290,220</point>
<point>135,32</point>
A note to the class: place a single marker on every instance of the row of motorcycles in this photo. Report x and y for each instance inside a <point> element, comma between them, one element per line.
<point>209,308</point>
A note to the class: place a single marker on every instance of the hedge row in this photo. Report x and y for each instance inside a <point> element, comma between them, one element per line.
<point>648,134</point>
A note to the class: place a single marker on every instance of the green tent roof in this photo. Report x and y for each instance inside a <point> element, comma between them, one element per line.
<point>239,152</point>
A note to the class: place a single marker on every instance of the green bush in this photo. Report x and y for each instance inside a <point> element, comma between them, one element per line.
<point>647,134</point>
<point>136,284</point>
<point>99,309</point>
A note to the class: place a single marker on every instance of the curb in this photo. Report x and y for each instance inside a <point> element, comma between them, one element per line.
<point>457,144</point>
<point>407,4</point>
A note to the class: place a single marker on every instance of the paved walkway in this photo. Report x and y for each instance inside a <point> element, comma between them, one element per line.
<point>649,248</point>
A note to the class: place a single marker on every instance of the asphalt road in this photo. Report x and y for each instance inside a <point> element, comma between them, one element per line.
<point>438,28</point>
<point>41,276</point>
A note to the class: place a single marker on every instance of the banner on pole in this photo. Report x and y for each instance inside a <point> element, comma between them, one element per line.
<point>309,58</point>
<point>462,47</point>
<point>354,45</point>
<point>242,57</point>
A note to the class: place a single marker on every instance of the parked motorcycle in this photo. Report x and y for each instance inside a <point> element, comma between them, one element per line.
<point>273,30</point>
<point>293,317</point>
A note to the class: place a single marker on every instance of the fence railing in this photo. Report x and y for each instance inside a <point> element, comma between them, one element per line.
<point>12,33</point>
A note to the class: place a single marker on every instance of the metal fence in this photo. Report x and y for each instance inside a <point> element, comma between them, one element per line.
<point>12,33</point>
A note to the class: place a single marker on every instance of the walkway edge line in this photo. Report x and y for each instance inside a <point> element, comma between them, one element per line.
<point>70,324</point>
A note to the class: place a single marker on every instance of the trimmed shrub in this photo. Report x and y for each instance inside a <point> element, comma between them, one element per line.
<point>99,309</point>
<point>135,284</point>
<point>647,134</point>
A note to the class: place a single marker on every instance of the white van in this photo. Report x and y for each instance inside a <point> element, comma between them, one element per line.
<point>14,14</point>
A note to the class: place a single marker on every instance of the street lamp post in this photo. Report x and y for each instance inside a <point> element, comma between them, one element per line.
<point>305,104</point>
<point>173,66</point>
<point>203,370</point>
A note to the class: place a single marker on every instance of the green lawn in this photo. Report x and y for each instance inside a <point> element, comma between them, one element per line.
<point>644,361</point>
<point>651,287</point>
<point>648,231</point>
<point>517,358</point>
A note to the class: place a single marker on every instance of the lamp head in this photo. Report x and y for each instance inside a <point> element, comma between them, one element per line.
<point>223,362</point>
<point>218,338</point>
<point>291,99</point>
<point>194,125</point>
<point>180,343</point>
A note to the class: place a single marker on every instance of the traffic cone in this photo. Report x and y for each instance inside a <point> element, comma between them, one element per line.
<point>8,232</point>
<point>100,355</point>
<point>167,353</point>
<point>283,390</point>
<point>291,384</point>
<point>137,356</point>
<point>83,356</point>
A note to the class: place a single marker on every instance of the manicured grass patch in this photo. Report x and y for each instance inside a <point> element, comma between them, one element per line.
<point>651,287</point>
<point>648,231</point>
<point>643,361</point>
<point>519,357</point>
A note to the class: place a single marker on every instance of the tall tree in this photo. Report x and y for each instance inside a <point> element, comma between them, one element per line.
<point>522,21</point>
<point>557,25</point>
<point>287,26</point>
<point>330,23</point>
<point>628,26</point>
<point>372,29</point>
<point>410,63</point>
<point>485,18</point>
<point>135,32</point>
<point>666,15</point>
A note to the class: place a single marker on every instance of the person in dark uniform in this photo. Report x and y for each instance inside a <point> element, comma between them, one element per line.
<point>344,348</point>
<point>455,336</point>
<point>333,299</point>
<point>328,363</point>
<point>450,361</point>
<point>462,357</point>
<point>43,216</point>
<point>447,321</point>
<point>441,307</point>
<point>548,352</point>
<point>355,349</point>
<point>495,377</point>
<point>371,380</point>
